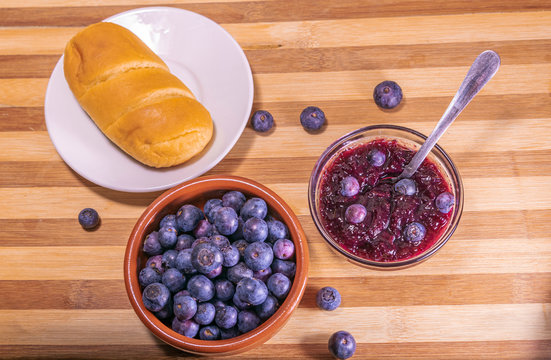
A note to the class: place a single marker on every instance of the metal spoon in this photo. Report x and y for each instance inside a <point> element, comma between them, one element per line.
<point>482,70</point>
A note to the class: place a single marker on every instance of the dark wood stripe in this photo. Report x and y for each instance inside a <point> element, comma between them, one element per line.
<point>355,291</point>
<point>285,10</point>
<point>22,119</point>
<point>457,350</point>
<point>335,59</point>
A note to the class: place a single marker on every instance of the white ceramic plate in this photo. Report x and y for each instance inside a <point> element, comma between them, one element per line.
<point>197,50</point>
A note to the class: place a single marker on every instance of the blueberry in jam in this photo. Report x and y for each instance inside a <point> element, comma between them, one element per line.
<point>350,186</point>
<point>401,220</point>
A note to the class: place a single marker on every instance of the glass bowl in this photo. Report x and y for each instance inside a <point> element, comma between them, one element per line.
<point>405,137</point>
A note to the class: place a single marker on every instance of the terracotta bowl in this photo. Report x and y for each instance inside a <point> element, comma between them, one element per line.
<point>196,192</point>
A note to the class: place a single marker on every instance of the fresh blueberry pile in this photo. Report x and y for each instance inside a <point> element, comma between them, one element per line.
<point>218,272</point>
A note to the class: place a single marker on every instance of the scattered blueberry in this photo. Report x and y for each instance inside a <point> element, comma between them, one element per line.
<point>262,121</point>
<point>226,317</point>
<point>225,220</point>
<point>276,230</point>
<point>206,257</point>
<point>355,213</point>
<point>267,308</point>
<point>205,313</point>
<point>187,328</point>
<point>414,232</point>
<point>234,199</point>
<point>284,249</point>
<point>88,218</point>
<point>184,242</point>
<point>201,288</point>
<point>185,307</point>
<point>444,202</point>
<point>174,280</point>
<point>210,205</point>
<point>387,94</point>
<point>168,259</point>
<point>187,217</point>
<point>254,207</point>
<point>149,275</point>
<point>286,267</point>
<point>247,321</point>
<point>312,118</point>
<point>376,157</point>
<point>224,289</point>
<point>156,262</point>
<point>151,244</point>
<point>155,296</point>
<point>210,332</point>
<point>350,186</point>
<point>203,229</point>
<point>263,275</point>
<point>406,187</point>
<point>231,256</point>
<point>168,220</point>
<point>251,291</point>
<point>328,298</point>
<point>279,285</point>
<point>258,256</point>
<point>342,345</point>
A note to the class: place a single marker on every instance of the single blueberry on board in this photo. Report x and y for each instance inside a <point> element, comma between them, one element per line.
<point>88,218</point>
<point>312,118</point>
<point>262,121</point>
<point>387,94</point>
<point>328,298</point>
<point>342,345</point>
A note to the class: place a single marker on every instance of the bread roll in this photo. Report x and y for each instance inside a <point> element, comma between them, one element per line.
<point>130,94</point>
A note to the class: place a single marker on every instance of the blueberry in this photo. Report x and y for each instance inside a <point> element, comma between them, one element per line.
<point>210,205</point>
<point>217,303</point>
<point>238,272</point>
<point>187,328</point>
<point>342,345</point>
<point>220,241</point>
<point>262,121</point>
<point>355,213</point>
<point>279,285</point>
<point>168,220</point>
<point>188,217</point>
<point>241,245</point>
<point>183,262</point>
<point>276,230</point>
<point>203,229</point>
<point>263,275</point>
<point>258,256</point>
<point>201,288</point>
<point>444,202</point>
<point>254,207</point>
<point>231,256</point>
<point>151,244</point>
<point>226,317</point>
<point>165,312</point>
<point>168,236</point>
<point>206,257</point>
<point>225,220</point>
<point>155,296</point>
<point>350,186</point>
<point>387,94</point>
<point>240,304</point>
<point>251,291</point>
<point>201,240</point>
<point>88,218</point>
<point>267,308</point>
<point>215,273</point>
<point>210,332</point>
<point>284,249</point>
<point>156,262</point>
<point>205,313</point>
<point>286,267</point>
<point>328,298</point>
<point>149,275</point>
<point>234,199</point>
<point>405,187</point>
<point>376,157</point>
<point>224,289</point>
<point>168,259</point>
<point>229,333</point>
<point>312,118</point>
<point>247,321</point>
<point>184,242</point>
<point>184,307</point>
<point>181,293</point>
<point>174,280</point>
<point>414,232</point>
<point>255,229</point>
<point>238,234</point>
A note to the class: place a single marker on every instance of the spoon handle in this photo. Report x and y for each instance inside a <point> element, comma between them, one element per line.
<point>482,70</point>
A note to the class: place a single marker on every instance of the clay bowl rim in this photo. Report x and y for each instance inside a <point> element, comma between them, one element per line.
<point>191,191</point>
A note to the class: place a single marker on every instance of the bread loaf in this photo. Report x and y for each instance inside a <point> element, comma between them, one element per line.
<point>130,94</point>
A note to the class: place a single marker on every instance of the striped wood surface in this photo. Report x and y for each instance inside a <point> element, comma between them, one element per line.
<point>485,295</point>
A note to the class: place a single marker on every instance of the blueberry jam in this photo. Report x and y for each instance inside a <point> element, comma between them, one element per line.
<point>385,234</point>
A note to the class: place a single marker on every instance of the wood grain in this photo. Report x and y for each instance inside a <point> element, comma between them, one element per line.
<point>485,295</point>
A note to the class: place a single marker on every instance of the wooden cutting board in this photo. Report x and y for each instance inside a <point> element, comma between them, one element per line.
<point>485,295</point>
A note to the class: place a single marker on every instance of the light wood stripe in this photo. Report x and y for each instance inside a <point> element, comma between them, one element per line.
<point>135,3</point>
<point>330,33</point>
<point>378,325</point>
